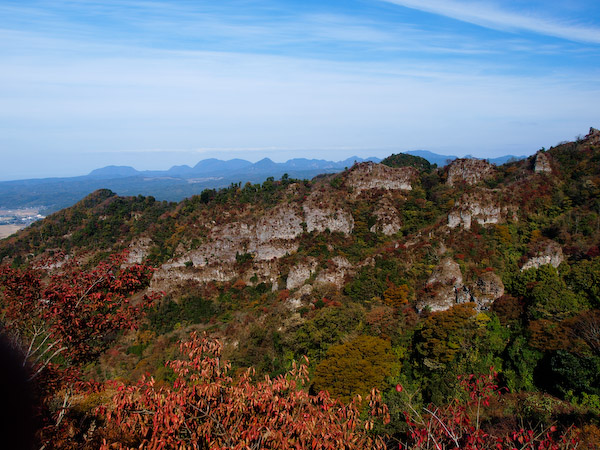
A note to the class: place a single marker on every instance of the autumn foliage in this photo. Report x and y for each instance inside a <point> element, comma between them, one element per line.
<point>57,319</point>
<point>72,312</point>
<point>458,424</point>
<point>208,408</point>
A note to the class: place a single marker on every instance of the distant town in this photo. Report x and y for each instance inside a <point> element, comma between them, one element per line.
<point>12,220</point>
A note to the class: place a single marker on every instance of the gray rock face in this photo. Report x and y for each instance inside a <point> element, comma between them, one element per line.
<point>447,289</point>
<point>388,218</point>
<point>336,273</point>
<point>283,222</point>
<point>165,279</point>
<point>300,273</point>
<point>487,288</point>
<point>368,176</point>
<point>444,283</point>
<point>320,216</point>
<point>267,238</point>
<point>542,163</point>
<point>593,137</point>
<point>139,250</point>
<point>272,236</point>
<point>482,206</point>
<point>469,171</point>
<point>549,253</point>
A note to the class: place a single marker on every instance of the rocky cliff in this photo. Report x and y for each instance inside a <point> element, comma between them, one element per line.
<point>296,235</point>
<point>485,206</point>
<point>469,171</point>
<point>369,176</point>
<point>542,163</point>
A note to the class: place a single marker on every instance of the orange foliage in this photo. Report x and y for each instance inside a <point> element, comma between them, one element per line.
<point>396,295</point>
<point>207,408</point>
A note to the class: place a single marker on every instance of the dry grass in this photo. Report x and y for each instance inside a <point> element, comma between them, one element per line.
<point>7,230</point>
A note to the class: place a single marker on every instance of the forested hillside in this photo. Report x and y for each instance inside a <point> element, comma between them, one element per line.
<point>461,304</point>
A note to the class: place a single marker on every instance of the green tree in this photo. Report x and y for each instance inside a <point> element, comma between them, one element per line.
<point>584,279</point>
<point>446,333</point>
<point>327,327</point>
<point>546,293</point>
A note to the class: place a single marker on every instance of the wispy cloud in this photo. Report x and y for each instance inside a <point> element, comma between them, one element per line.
<point>491,15</point>
<point>127,76</point>
<point>334,36</point>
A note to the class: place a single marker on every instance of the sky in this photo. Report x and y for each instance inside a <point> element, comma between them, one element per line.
<point>153,83</point>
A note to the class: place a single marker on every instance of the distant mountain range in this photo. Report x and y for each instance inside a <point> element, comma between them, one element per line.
<point>442,160</point>
<point>178,182</point>
<point>239,169</point>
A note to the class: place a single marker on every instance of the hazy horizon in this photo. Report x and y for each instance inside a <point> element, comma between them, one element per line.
<point>154,84</point>
<point>164,160</point>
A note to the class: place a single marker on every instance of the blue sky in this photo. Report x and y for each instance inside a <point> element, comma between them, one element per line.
<point>152,83</point>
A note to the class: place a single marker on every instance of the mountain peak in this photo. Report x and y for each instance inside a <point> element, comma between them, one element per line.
<point>113,172</point>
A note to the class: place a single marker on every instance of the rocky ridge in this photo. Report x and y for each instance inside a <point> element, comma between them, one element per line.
<point>548,252</point>
<point>275,234</point>
<point>369,176</point>
<point>446,288</point>
<point>542,163</point>
<point>469,171</point>
<point>329,230</point>
<point>483,206</point>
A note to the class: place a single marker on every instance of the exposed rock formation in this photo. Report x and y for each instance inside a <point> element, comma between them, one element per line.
<point>542,163</point>
<point>368,175</point>
<point>548,252</point>
<point>320,216</point>
<point>283,222</point>
<point>336,272</point>
<point>138,250</point>
<point>264,240</point>
<point>166,278</point>
<point>300,273</point>
<point>388,218</point>
<point>443,285</point>
<point>486,289</point>
<point>272,236</point>
<point>593,137</point>
<point>469,171</point>
<point>445,288</point>
<point>483,206</point>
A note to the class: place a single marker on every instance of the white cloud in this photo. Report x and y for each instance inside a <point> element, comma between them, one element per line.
<point>79,92</point>
<point>490,15</point>
<point>166,99</point>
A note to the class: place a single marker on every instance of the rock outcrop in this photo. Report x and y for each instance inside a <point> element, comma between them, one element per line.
<point>283,222</point>
<point>261,241</point>
<point>443,285</point>
<point>487,288</point>
<point>593,137</point>
<point>388,218</point>
<point>138,250</point>
<point>320,216</point>
<point>368,176</point>
<point>469,171</point>
<point>335,273</point>
<point>445,288</point>
<point>542,163</point>
<point>300,273</point>
<point>271,236</point>
<point>548,252</point>
<point>483,206</point>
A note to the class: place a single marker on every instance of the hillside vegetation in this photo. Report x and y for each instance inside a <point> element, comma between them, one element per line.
<point>402,277</point>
